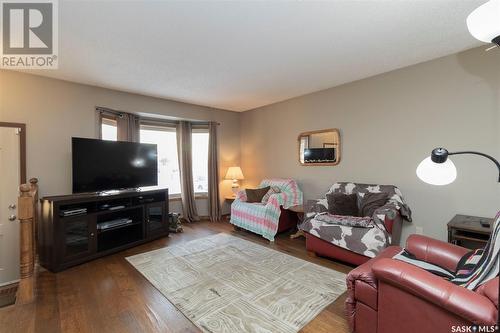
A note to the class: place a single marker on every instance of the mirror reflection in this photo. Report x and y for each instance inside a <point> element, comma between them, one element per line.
<point>319,147</point>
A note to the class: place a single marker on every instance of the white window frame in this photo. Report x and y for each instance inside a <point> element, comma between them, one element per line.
<point>149,125</point>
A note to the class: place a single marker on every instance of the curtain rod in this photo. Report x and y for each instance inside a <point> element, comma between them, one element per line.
<point>152,119</point>
<point>106,110</point>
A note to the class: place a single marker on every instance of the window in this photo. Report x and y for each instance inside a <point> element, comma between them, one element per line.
<point>200,160</point>
<point>168,163</point>
<point>109,129</point>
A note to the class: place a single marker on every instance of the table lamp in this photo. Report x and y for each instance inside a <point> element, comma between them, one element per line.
<point>234,173</point>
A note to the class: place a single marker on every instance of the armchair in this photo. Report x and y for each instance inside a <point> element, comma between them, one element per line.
<point>387,295</point>
<point>356,245</point>
<point>267,219</point>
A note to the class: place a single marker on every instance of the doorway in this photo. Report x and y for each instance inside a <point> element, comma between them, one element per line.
<point>12,174</point>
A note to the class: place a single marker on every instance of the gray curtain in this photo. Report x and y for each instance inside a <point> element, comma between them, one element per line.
<point>214,209</point>
<point>128,125</point>
<point>184,132</point>
<point>133,129</point>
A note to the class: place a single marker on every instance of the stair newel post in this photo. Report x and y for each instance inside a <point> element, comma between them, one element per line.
<point>34,195</point>
<point>26,214</point>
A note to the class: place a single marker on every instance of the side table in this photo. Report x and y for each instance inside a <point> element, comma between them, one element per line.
<point>229,199</point>
<point>469,231</point>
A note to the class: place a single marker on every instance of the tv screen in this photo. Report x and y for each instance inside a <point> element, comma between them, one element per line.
<point>100,165</point>
<point>314,155</point>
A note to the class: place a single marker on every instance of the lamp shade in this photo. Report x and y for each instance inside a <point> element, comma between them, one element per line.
<point>484,21</point>
<point>234,173</point>
<point>437,173</point>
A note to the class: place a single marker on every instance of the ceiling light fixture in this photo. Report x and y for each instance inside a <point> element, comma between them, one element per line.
<point>484,22</point>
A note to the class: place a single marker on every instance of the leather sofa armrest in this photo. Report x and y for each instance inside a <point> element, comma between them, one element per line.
<point>465,303</point>
<point>435,252</point>
<point>363,274</point>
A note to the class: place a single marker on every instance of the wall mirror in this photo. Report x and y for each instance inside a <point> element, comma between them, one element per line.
<point>319,147</point>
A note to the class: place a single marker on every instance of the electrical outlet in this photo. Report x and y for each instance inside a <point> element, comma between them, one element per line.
<point>419,230</point>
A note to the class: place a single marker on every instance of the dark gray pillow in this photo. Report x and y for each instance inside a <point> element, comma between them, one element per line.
<point>256,195</point>
<point>371,202</point>
<point>342,204</point>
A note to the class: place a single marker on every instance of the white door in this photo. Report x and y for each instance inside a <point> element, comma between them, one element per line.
<point>10,167</point>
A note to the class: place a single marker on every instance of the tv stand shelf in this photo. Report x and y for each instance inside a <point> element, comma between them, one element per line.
<point>65,241</point>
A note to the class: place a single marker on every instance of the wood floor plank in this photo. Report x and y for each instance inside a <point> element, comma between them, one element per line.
<point>108,295</point>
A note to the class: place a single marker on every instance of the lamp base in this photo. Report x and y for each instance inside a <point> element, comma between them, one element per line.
<point>235,187</point>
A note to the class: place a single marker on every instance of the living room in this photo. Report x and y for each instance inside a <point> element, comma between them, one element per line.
<point>268,231</point>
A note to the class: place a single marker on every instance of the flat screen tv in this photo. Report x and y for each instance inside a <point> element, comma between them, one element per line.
<point>315,155</point>
<point>100,165</point>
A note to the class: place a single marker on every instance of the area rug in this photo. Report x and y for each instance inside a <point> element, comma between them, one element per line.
<point>226,284</point>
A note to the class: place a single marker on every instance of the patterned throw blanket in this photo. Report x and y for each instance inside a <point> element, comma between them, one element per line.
<point>474,269</point>
<point>367,241</point>
<point>348,221</point>
<point>263,218</point>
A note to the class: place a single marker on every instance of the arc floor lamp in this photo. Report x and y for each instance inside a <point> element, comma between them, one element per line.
<point>438,169</point>
<point>483,24</point>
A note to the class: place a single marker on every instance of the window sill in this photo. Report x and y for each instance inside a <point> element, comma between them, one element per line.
<point>177,197</point>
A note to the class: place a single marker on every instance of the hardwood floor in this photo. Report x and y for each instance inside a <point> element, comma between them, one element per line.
<point>109,295</point>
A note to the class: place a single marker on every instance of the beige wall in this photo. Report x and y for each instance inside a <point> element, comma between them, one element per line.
<point>388,124</point>
<point>56,110</point>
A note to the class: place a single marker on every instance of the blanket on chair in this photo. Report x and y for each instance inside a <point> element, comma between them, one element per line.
<point>368,241</point>
<point>263,218</point>
<point>474,269</point>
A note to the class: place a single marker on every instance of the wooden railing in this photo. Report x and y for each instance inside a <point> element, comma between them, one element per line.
<point>27,214</point>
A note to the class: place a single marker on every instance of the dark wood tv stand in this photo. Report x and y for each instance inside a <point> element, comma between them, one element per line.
<point>109,223</point>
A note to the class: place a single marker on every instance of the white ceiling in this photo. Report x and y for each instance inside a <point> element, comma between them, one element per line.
<point>242,55</point>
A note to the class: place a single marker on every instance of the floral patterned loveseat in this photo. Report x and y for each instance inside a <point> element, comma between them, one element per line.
<point>355,245</point>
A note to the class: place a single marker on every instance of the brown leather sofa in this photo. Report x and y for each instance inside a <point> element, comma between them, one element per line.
<point>387,295</point>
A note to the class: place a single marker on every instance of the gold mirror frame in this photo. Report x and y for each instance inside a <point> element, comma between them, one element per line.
<point>338,151</point>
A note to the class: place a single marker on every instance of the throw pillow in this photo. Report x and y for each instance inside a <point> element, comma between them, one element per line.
<point>272,190</point>
<point>342,204</point>
<point>370,202</point>
<point>255,195</point>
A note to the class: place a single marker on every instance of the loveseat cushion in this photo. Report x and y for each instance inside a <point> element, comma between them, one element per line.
<point>490,290</point>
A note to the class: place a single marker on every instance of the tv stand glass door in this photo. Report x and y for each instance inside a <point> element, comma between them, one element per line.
<point>78,237</point>
<point>156,219</point>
